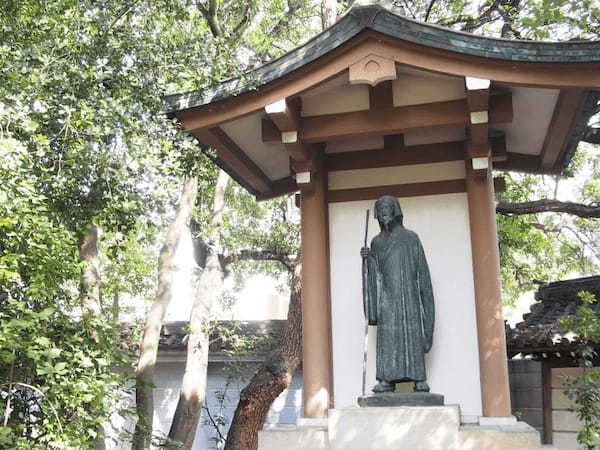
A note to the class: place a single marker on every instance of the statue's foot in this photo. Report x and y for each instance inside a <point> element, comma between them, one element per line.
<point>421,386</point>
<point>383,386</point>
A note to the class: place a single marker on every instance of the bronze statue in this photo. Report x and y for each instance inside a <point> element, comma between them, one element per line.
<point>398,299</point>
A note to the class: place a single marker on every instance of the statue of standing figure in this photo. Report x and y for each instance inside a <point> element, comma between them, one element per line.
<point>399,300</point>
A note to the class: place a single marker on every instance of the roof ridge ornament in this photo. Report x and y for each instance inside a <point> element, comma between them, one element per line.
<point>366,11</point>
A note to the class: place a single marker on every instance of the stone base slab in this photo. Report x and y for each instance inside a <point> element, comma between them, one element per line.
<point>402,399</point>
<point>293,438</point>
<point>414,428</point>
<point>497,421</point>
<point>519,436</point>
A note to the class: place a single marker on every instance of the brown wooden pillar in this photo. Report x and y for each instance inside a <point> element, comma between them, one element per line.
<point>316,323</point>
<point>495,394</point>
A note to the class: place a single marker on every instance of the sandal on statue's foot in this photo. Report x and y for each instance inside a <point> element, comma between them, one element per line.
<point>421,386</point>
<point>383,386</point>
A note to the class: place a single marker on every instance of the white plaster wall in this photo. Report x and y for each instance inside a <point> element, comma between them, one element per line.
<point>411,89</point>
<point>417,173</point>
<point>442,223</point>
<point>222,383</point>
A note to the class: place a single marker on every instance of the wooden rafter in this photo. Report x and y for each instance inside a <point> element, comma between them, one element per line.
<point>282,186</point>
<point>565,113</point>
<point>233,156</point>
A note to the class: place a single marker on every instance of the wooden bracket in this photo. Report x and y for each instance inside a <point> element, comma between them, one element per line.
<point>372,69</point>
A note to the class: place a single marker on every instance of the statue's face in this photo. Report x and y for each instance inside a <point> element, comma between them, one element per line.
<point>385,214</point>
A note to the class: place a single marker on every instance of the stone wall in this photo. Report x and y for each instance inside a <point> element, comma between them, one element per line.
<point>564,422</point>
<point>526,392</point>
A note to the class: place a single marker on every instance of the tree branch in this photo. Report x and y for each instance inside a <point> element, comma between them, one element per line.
<point>544,228</point>
<point>244,21</point>
<point>260,255</point>
<point>546,205</point>
<point>591,135</point>
<point>429,8</point>
<point>210,15</point>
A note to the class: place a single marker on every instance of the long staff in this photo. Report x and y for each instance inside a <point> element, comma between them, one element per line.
<point>365,289</point>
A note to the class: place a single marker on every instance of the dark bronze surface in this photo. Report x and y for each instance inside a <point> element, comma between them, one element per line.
<point>399,300</point>
<point>402,399</point>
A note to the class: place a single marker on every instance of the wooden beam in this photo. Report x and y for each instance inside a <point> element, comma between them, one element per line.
<point>307,165</point>
<point>270,132</point>
<point>478,93</point>
<point>567,107</point>
<point>381,95</point>
<point>285,114</point>
<point>393,141</point>
<point>522,163</point>
<point>389,157</point>
<point>297,149</point>
<point>399,119</point>
<point>233,156</point>
<point>498,144</point>
<point>280,187</point>
<point>397,190</point>
<point>479,149</point>
<point>499,184</point>
<point>478,101</point>
<point>398,155</point>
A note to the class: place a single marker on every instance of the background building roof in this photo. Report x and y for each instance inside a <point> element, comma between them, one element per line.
<point>540,330</point>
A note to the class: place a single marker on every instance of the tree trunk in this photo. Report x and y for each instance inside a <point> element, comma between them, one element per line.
<point>90,273</point>
<point>546,205</point>
<point>149,345</point>
<point>328,13</point>
<point>209,290</point>
<point>273,377</point>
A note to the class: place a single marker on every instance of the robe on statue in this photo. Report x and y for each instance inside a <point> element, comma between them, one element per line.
<point>400,302</point>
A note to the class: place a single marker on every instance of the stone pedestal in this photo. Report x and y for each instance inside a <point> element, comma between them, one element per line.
<point>402,399</point>
<point>406,427</point>
<point>416,428</point>
<point>293,438</point>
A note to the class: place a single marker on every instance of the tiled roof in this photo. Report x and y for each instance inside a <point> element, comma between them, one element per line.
<point>257,337</point>
<point>540,330</point>
<point>377,18</point>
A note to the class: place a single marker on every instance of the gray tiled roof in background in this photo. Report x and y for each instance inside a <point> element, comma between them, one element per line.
<point>540,329</point>
<point>260,336</point>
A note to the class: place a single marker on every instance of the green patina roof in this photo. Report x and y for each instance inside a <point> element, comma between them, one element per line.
<point>377,18</point>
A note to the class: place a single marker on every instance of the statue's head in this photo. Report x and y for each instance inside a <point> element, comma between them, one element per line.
<point>387,211</point>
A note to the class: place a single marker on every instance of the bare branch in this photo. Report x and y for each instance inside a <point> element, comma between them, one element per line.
<point>244,21</point>
<point>429,8</point>
<point>544,228</point>
<point>214,424</point>
<point>472,23</point>
<point>546,205</point>
<point>260,255</point>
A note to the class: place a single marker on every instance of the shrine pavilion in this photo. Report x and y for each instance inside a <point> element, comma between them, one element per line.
<point>380,104</point>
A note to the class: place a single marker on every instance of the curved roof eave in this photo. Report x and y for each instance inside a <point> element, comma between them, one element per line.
<point>377,18</point>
